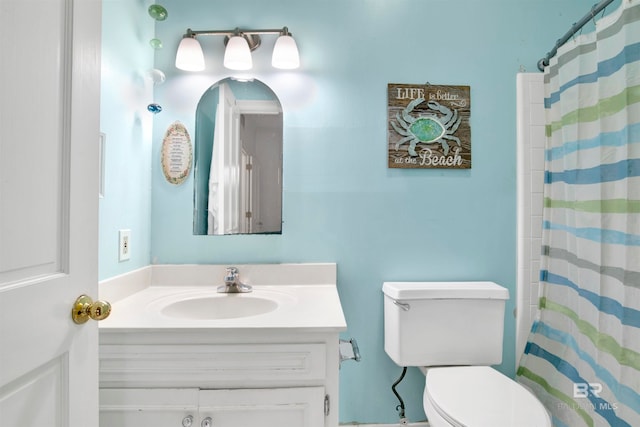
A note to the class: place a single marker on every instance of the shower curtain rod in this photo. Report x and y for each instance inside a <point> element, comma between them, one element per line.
<point>597,8</point>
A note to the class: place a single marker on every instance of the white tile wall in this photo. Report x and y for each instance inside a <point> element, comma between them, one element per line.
<point>530,177</point>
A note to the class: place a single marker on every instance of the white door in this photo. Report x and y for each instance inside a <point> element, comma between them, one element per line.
<point>276,407</point>
<point>49,127</point>
<point>228,162</point>
<point>173,407</point>
<point>149,407</point>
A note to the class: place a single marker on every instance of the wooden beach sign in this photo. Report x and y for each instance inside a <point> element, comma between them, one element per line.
<point>428,126</point>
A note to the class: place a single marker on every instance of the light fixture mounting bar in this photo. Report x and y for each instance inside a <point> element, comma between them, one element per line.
<point>235,31</point>
<point>252,36</point>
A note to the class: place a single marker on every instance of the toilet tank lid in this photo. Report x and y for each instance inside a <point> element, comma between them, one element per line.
<point>444,290</point>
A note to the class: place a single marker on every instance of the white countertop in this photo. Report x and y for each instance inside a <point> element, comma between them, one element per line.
<point>309,306</point>
<point>300,306</point>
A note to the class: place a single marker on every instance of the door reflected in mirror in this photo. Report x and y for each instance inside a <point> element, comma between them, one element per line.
<point>238,160</point>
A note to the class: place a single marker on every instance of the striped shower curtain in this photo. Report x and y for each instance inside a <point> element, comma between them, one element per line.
<point>582,358</point>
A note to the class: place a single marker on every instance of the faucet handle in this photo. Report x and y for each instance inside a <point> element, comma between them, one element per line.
<point>231,274</point>
<point>232,282</point>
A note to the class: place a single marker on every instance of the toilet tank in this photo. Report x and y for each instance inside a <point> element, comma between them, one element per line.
<point>444,323</point>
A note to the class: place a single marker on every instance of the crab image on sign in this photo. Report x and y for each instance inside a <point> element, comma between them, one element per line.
<point>427,129</point>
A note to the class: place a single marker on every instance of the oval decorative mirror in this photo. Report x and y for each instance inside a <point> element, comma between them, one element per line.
<point>238,160</point>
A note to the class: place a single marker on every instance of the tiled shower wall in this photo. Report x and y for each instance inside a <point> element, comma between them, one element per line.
<point>530,176</point>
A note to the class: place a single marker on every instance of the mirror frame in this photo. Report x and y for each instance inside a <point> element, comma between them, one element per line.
<point>248,101</point>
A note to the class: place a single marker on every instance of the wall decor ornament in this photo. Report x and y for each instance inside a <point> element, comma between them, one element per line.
<point>428,126</point>
<point>158,12</point>
<point>155,43</point>
<point>154,108</point>
<point>176,154</point>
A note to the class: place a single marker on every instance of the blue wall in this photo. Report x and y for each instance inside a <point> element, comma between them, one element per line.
<point>126,90</point>
<point>341,202</point>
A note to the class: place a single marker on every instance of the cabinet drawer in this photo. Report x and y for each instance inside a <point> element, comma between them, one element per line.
<point>212,366</point>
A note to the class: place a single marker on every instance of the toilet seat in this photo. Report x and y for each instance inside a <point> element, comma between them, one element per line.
<point>480,396</point>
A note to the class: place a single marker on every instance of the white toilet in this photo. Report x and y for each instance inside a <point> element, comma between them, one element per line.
<point>453,332</point>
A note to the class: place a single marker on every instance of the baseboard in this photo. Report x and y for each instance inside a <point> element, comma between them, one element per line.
<point>420,424</point>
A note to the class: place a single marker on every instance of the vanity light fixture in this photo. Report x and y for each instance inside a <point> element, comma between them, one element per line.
<point>285,52</point>
<point>189,56</point>
<point>239,45</point>
<point>237,54</point>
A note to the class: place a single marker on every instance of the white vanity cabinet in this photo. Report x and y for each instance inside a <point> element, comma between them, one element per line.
<point>218,378</point>
<point>176,353</point>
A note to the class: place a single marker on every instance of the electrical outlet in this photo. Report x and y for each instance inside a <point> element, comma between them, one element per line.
<point>124,247</point>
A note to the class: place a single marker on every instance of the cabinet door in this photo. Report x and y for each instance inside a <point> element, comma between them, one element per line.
<point>294,407</point>
<point>121,407</point>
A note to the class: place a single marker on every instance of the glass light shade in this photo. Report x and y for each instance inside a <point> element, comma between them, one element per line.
<point>189,56</point>
<point>237,55</point>
<point>285,53</point>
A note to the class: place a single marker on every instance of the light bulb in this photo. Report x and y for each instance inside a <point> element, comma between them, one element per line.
<point>237,55</point>
<point>189,56</point>
<point>285,53</point>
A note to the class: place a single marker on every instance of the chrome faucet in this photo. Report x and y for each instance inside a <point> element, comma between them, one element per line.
<point>232,284</point>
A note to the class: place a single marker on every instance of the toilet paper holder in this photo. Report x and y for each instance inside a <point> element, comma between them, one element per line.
<point>349,350</point>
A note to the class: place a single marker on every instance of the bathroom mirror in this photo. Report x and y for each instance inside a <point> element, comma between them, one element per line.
<point>238,160</point>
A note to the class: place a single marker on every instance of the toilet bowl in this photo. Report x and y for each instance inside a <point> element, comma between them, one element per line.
<point>453,331</point>
<point>479,396</point>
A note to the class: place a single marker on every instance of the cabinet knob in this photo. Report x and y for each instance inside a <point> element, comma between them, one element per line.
<point>207,422</point>
<point>187,421</point>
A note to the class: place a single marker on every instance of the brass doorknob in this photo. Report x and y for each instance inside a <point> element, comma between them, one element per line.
<point>85,308</point>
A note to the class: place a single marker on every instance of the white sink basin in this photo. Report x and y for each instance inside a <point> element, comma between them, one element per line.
<point>219,306</point>
<point>285,297</point>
